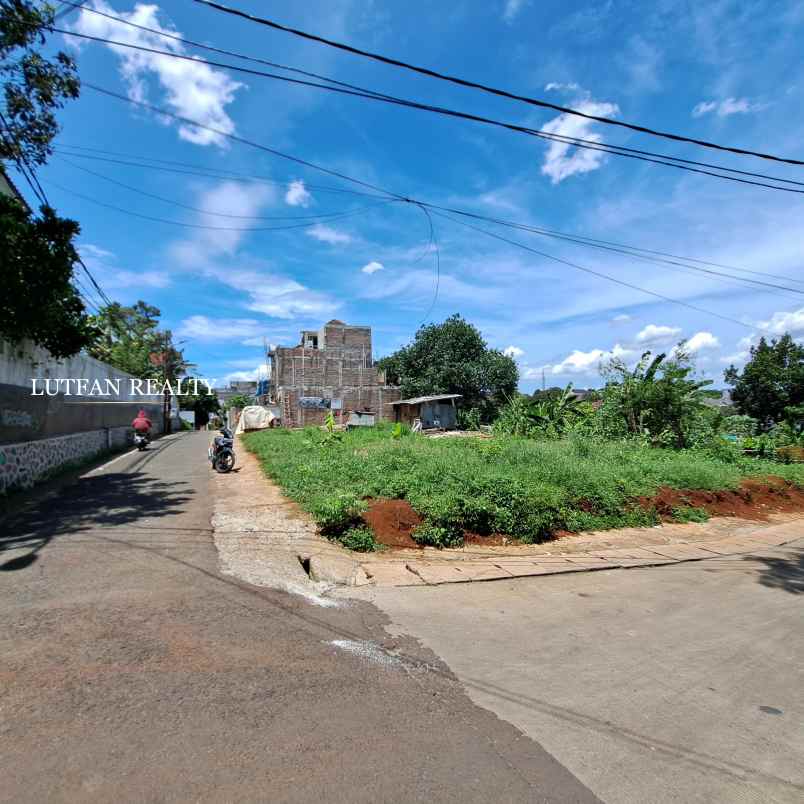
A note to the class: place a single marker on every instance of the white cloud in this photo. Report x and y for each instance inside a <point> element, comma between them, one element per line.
<point>555,86</point>
<point>200,327</point>
<point>191,88</point>
<point>726,107</point>
<point>700,341</point>
<point>101,262</point>
<point>297,195</point>
<point>578,362</point>
<point>779,323</point>
<point>372,267</point>
<point>233,198</point>
<point>654,333</point>
<point>216,255</point>
<point>621,318</point>
<point>326,234</point>
<point>512,8</point>
<point>90,251</point>
<point>513,351</point>
<point>559,162</point>
<point>260,372</point>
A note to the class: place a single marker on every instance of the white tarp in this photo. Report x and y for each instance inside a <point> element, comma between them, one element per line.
<point>254,417</point>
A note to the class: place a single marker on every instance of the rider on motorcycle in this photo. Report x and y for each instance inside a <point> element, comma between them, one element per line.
<point>142,424</point>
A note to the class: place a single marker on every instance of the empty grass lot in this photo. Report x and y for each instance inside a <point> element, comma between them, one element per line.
<point>524,488</point>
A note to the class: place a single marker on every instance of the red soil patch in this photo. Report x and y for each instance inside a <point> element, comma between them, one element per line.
<point>754,499</point>
<point>392,522</point>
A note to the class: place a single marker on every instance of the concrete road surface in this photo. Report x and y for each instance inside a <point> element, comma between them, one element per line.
<point>132,670</point>
<point>682,683</point>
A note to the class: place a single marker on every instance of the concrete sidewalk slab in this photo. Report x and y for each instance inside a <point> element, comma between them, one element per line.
<point>661,545</point>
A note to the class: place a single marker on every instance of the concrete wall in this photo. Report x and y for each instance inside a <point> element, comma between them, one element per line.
<point>24,464</point>
<point>41,434</point>
<point>24,417</point>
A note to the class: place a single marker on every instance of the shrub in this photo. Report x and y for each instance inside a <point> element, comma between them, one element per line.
<point>335,515</point>
<point>432,535</point>
<point>361,540</point>
<point>689,513</point>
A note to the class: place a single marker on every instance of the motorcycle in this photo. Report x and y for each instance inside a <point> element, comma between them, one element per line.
<point>141,441</point>
<point>221,451</point>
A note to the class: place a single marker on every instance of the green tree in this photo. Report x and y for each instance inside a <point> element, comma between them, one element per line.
<point>129,336</point>
<point>452,358</point>
<point>771,385</point>
<point>659,397</point>
<point>34,87</point>
<point>38,300</point>
<point>201,403</point>
<point>239,401</point>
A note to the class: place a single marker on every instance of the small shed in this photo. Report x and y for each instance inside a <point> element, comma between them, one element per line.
<point>437,411</point>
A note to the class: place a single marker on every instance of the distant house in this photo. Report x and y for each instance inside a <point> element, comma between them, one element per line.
<point>438,411</point>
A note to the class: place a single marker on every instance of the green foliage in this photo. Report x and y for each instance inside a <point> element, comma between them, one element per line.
<point>336,514</point>
<point>239,401</point>
<point>658,399</point>
<point>689,513</point>
<point>399,431</point>
<point>38,300</point>
<point>771,385</point>
<point>525,488</point>
<point>361,540</point>
<point>34,87</point>
<point>130,339</point>
<point>740,425</point>
<point>469,418</point>
<point>430,535</point>
<point>202,404</point>
<point>452,358</point>
<point>552,415</point>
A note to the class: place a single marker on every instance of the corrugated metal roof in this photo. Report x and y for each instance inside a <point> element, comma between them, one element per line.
<point>418,400</point>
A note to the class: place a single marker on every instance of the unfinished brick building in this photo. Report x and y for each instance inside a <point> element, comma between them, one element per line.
<point>331,369</point>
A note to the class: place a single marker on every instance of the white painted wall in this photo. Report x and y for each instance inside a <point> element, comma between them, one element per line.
<point>19,363</point>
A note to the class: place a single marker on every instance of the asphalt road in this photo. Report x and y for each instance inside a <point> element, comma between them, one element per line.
<point>680,683</point>
<point>133,670</point>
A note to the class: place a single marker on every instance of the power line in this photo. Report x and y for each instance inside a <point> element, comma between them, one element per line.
<point>492,90</point>
<point>593,272</point>
<point>309,218</point>
<point>619,248</point>
<point>397,196</point>
<point>618,150</point>
<point>212,49</point>
<point>155,219</point>
<point>236,138</point>
<point>200,170</point>
<point>630,250</point>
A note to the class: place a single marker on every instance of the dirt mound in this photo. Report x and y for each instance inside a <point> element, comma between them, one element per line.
<point>392,522</point>
<point>754,499</point>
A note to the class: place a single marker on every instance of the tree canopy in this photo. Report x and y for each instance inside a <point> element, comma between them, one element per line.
<point>771,385</point>
<point>34,87</point>
<point>452,358</point>
<point>38,301</point>
<point>130,339</point>
<point>659,397</point>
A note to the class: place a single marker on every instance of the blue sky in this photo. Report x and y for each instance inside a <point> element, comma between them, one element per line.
<point>725,71</point>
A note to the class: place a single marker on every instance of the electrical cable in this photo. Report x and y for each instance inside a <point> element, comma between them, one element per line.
<point>390,194</point>
<point>593,272</point>
<point>155,219</point>
<point>309,218</point>
<point>492,90</point>
<point>618,150</point>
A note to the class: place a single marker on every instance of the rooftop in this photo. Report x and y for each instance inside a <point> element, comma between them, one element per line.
<point>418,400</point>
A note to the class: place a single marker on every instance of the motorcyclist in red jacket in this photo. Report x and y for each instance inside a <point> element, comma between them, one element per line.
<point>142,424</point>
